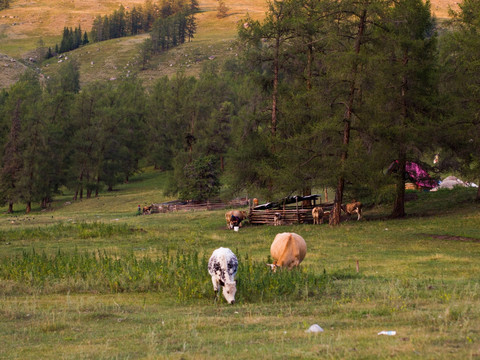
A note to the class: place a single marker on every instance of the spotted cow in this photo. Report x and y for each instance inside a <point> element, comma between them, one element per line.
<point>222,266</point>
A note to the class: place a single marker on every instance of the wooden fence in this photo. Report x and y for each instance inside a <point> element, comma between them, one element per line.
<point>288,216</point>
<point>195,206</point>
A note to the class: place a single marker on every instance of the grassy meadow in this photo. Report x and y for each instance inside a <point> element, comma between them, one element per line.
<point>94,280</point>
<point>29,25</point>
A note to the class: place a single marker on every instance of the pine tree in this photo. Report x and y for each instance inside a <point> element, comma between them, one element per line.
<point>460,85</point>
<point>353,26</point>
<point>405,87</point>
<point>222,9</point>
<point>12,161</point>
<point>17,176</point>
<point>85,39</point>
<point>4,4</point>
<point>49,53</point>
<point>191,21</point>
<point>134,21</point>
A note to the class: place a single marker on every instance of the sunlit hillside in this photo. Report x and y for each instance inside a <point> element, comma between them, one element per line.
<point>32,24</point>
<point>28,25</point>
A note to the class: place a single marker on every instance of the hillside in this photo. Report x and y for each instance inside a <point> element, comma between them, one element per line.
<point>29,25</point>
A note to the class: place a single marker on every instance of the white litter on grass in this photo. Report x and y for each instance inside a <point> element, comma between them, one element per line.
<point>315,328</point>
<point>389,332</point>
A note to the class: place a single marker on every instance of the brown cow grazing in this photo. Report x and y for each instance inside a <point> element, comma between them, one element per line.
<point>287,250</point>
<point>235,218</point>
<point>353,207</point>
<point>317,213</point>
<point>147,209</point>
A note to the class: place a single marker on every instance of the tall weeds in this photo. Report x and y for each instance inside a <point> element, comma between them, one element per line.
<point>182,275</point>
<point>79,230</point>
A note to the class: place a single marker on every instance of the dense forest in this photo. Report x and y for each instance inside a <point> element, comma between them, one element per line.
<point>322,94</point>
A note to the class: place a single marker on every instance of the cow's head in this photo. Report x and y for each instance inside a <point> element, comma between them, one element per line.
<point>273,267</point>
<point>229,290</point>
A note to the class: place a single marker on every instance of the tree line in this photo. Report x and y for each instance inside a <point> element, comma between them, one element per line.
<point>322,94</point>
<point>143,19</point>
<point>170,24</point>
<point>4,4</point>
<point>71,39</point>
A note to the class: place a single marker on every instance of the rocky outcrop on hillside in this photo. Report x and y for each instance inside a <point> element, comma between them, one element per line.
<point>11,70</point>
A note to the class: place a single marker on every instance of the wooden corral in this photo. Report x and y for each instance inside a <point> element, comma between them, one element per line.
<point>194,205</point>
<point>287,216</point>
<point>292,210</point>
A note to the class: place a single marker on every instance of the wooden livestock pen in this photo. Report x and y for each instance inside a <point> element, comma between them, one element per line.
<point>178,205</point>
<point>292,210</point>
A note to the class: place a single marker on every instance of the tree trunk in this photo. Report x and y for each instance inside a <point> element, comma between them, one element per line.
<point>335,214</point>
<point>334,218</point>
<point>29,207</point>
<point>478,195</point>
<point>79,188</point>
<point>307,191</point>
<point>399,205</point>
<point>10,207</point>
<point>97,187</point>
<point>275,86</point>
<point>325,194</point>
<point>309,66</point>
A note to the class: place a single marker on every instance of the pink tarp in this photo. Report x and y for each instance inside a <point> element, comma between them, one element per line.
<point>419,175</point>
<point>416,174</point>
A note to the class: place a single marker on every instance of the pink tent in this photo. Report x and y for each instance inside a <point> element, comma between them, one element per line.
<point>420,176</point>
<point>416,174</point>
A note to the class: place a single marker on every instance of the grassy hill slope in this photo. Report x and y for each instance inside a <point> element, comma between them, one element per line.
<point>28,25</point>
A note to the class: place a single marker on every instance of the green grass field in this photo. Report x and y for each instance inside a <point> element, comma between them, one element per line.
<point>93,280</point>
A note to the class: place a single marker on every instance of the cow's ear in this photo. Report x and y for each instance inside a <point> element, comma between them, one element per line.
<point>222,283</point>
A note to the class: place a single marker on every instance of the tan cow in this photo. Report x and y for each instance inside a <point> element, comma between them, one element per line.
<point>317,213</point>
<point>287,250</point>
<point>353,207</point>
<point>235,218</point>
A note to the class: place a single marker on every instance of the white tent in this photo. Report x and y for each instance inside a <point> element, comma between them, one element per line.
<point>451,181</point>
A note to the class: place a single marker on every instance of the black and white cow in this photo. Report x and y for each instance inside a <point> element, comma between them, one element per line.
<point>222,266</point>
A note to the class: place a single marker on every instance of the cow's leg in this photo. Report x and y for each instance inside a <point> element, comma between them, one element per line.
<point>359,213</point>
<point>215,288</point>
<point>215,283</point>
